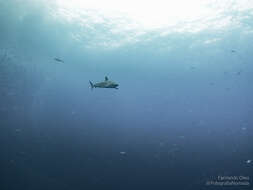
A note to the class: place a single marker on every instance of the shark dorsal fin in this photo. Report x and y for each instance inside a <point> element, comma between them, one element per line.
<point>106,78</point>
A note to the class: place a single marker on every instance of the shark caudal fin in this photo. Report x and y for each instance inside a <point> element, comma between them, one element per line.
<point>91,85</point>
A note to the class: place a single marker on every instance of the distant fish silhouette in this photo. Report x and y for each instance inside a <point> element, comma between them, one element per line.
<point>233,51</point>
<point>238,73</point>
<point>104,84</point>
<point>59,60</point>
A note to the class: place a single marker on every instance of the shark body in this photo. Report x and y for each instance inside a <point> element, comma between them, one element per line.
<point>58,60</point>
<point>104,84</point>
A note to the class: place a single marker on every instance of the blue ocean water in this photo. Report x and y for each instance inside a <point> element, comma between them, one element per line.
<point>181,118</point>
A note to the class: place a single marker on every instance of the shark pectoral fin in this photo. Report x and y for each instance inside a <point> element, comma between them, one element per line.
<point>91,85</point>
<point>117,88</point>
<point>106,78</point>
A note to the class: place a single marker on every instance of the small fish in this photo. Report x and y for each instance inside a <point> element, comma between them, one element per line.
<point>233,51</point>
<point>58,60</point>
<point>239,72</point>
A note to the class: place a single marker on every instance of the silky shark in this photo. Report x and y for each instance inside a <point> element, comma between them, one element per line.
<point>104,84</point>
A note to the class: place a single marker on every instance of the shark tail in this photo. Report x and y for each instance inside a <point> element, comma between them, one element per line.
<point>91,85</point>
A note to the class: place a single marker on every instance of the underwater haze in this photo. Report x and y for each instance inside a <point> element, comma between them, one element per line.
<point>181,118</point>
